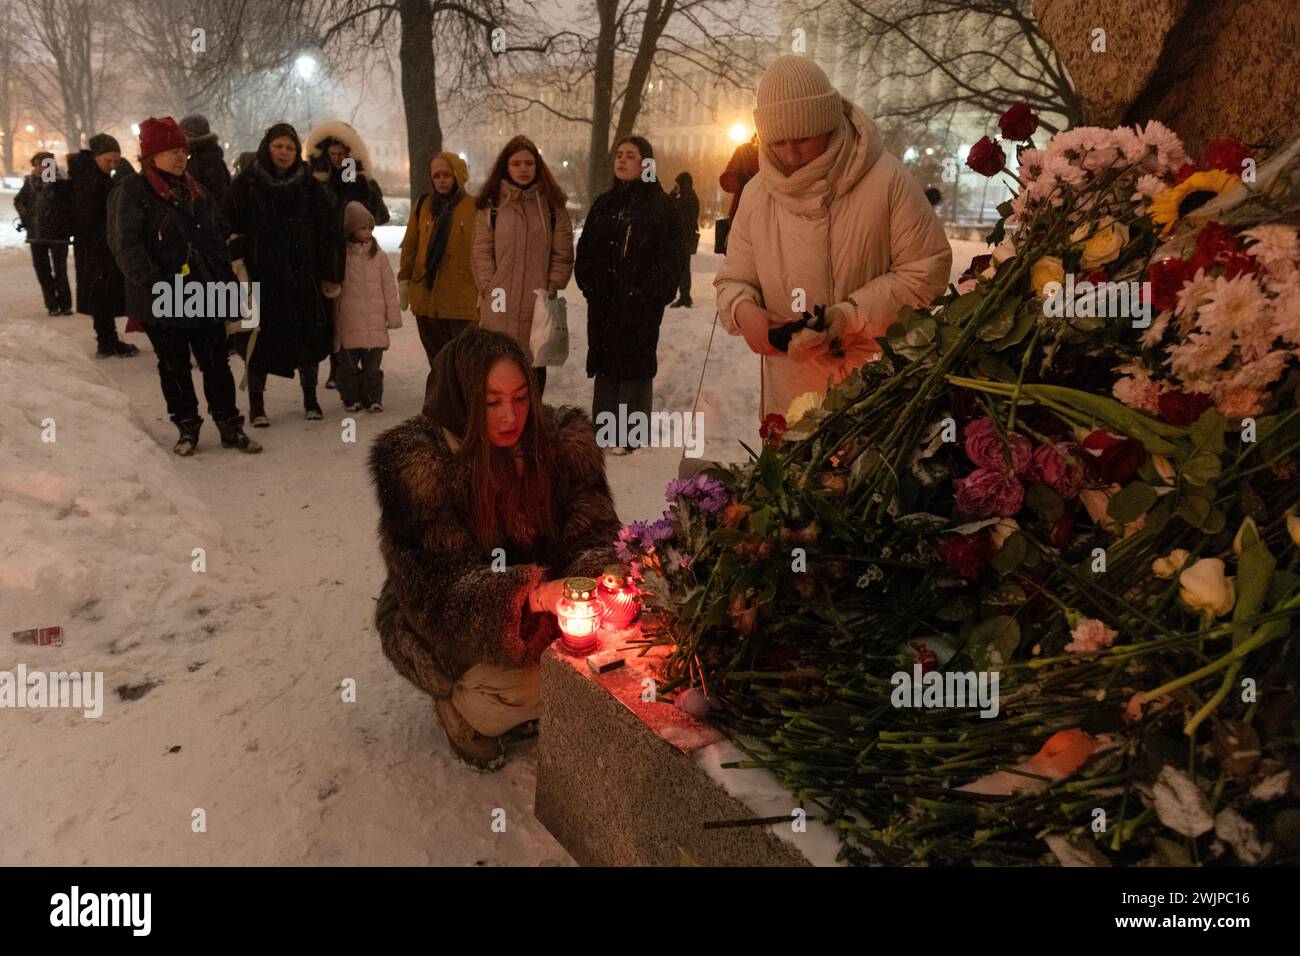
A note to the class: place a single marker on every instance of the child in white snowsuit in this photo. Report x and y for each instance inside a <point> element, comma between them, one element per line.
<point>363,313</point>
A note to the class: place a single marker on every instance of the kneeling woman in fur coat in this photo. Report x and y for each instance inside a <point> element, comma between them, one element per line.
<point>485,467</point>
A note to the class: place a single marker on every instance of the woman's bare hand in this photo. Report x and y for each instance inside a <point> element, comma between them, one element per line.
<point>754,322</point>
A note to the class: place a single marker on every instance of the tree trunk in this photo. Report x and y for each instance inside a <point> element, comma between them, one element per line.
<point>419,91</point>
<point>599,169</point>
<point>657,15</point>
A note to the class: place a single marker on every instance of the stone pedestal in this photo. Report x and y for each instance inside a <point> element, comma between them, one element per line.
<point>624,782</point>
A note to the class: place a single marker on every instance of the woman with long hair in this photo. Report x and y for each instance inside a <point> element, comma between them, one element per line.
<point>488,501</point>
<point>523,241</point>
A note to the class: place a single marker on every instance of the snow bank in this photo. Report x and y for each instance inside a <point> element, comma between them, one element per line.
<point>100,532</point>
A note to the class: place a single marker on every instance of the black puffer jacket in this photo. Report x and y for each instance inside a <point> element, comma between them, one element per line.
<point>630,257</point>
<point>44,210</point>
<point>286,231</point>
<point>101,288</point>
<point>160,227</point>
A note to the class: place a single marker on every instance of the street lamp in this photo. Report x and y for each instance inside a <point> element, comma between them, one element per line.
<point>739,133</point>
<point>306,66</point>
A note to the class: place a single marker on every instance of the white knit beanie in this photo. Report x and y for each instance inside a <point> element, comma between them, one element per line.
<point>795,100</point>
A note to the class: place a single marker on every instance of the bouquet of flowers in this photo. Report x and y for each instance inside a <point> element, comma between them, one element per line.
<point>1092,514</point>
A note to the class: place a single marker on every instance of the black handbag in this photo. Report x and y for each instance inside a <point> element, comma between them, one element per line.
<point>722,229</point>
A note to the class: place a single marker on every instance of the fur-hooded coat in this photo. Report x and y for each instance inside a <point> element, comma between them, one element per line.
<point>443,608</point>
<point>363,188</point>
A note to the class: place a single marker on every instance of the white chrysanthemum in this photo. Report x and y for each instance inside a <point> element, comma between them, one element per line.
<point>1234,307</point>
<point>1148,186</point>
<point>1152,336</point>
<point>1062,170</point>
<point>1169,151</point>
<point>1286,318</point>
<point>802,405</point>
<point>1130,145</point>
<point>1277,248</point>
<point>1193,294</point>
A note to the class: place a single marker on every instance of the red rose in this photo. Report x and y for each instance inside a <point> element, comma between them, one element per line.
<point>1018,123</point>
<point>927,658</point>
<point>772,429</point>
<point>967,554</point>
<point>977,265</point>
<point>1059,470</point>
<point>986,449</point>
<point>989,492</point>
<point>1062,531</point>
<point>1184,171</point>
<point>1119,457</point>
<point>1183,408</point>
<point>1226,154</point>
<point>1167,277</point>
<point>1097,275</point>
<point>986,157</point>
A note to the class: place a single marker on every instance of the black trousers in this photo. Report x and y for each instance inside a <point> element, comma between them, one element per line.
<point>539,373</point>
<point>306,375</point>
<point>359,377</point>
<point>173,347</point>
<point>50,259</point>
<point>610,393</point>
<point>684,283</point>
<point>105,330</point>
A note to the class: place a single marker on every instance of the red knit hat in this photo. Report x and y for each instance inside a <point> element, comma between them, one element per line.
<point>160,135</point>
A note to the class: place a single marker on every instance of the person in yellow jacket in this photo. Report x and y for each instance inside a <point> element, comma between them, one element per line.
<point>436,276</point>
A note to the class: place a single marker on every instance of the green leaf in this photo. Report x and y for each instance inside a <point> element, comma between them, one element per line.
<point>1255,570</point>
<point>1131,502</point>
<point>1011,553</point>
<point>1194,509</point>
<point>992,642</point>
<point>990,366</point>
<point>1207,431</point>
<point>921,522</point>
<point>1026,318</point>
<point>1045,502</point>
<point>1008,595</point>
<point>1201,468</point>
<point>770,470</point>
<point>1282,587</point>
<point>1159,516</point>
<point>998,325</point>
<point>759,520</point>
<point>726,537</point>
<point>957,609</point>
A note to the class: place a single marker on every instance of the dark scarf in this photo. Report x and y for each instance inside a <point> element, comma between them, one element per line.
<point>443,208</point>
<point>466,358</point>
<point>183,189</point>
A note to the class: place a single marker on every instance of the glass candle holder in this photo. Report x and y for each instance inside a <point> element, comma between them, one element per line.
<point>620,601</point>
<point>579,615</point>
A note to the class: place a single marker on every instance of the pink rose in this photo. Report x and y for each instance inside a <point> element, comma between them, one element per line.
<point>1058,471</point>
<point>986,492</point>
<point>985,448</point>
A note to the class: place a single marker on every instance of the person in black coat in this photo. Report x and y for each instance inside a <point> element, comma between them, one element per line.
<point>168,236</point>
<point>284,231</point>
<point>329,146</point>
<point>687,205</point>
<point>628,263</point>
<point>207,159</point>
<point>38,216</point>
<point>96,172</point>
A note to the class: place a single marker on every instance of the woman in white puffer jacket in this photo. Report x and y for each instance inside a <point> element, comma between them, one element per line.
<point>364,312</point>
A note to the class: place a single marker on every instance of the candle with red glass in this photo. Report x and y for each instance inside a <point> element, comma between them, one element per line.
<point>620,601</point>
<point>579,615</point>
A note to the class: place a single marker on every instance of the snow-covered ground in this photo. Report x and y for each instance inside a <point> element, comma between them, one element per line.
<point>223,687</point>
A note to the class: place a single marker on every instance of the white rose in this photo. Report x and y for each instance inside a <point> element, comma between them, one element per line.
<point>1206,587</point>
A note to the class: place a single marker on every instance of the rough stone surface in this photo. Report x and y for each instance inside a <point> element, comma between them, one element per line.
<point>1204,68</point>
<point>614,792</point>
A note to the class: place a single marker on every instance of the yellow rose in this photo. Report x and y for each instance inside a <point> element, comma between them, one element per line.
<point>1046,269</point>
<point>1104,245</point>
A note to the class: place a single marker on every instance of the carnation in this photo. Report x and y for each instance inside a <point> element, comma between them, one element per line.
<point>986,449</point>
<point>1090,635</point>
<point>1138,392</point>
<point>1058,470</point>
<point>989,492</point>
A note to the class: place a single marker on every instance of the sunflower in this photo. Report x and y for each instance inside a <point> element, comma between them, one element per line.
<point>1172,205</point>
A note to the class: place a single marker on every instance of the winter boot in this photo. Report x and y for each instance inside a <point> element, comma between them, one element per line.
<point>311,407</point>
<point>232,436</point>
<point>484,754</point>
<point>118,349</point>
<point>189,440</point>
<point>257,411</point>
